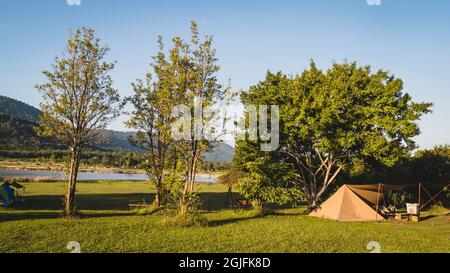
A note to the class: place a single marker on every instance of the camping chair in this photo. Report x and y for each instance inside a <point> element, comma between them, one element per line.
<point>388,211</point>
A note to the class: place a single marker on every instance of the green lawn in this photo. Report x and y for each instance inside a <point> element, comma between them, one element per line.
<point>109,226</point>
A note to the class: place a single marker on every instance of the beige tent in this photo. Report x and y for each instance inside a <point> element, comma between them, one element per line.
<point>352,203</point>
<point>364,202</point>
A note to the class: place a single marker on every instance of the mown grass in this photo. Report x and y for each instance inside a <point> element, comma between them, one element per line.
<point>108,225</point>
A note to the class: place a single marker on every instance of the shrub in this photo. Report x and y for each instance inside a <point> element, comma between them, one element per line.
<point>260,189</point>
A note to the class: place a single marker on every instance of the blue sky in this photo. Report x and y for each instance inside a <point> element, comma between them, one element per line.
<point>409,38</point>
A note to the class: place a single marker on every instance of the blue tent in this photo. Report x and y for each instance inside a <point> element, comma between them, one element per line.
<point>6,195</point>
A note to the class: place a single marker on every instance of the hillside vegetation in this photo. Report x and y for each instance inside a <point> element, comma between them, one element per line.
<point>17,122</point>
<point>19,109</point>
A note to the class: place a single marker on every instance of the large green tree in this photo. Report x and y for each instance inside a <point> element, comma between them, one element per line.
<point>338,119</point>
<point>79,100</point>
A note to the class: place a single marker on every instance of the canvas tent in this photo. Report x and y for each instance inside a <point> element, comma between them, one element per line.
<point>355,203</point>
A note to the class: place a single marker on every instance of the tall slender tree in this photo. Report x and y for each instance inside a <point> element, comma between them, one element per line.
<point>202,91</point>
<point>181,90</point>
<point>79,100</point>
<point>153,101</point>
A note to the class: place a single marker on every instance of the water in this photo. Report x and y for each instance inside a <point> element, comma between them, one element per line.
<point>87,176</point>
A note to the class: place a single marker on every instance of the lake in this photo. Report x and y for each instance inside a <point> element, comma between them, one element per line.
<point>88,176</point>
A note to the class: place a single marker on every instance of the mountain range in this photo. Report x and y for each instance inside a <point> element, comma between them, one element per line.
<point>18,119</point>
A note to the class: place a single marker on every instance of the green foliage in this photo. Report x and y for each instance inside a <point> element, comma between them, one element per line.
<point>112,159</point>
<point>261,190</point>
<point>399,198</point>
<point>16,133</point>
<point>431,167</point>
<point>186,203</point>
<point>266,177</point>
<point>193,71</point>
<point>78,96</point>
<point>342,119</point>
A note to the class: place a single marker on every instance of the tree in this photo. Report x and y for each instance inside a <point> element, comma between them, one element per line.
<point>196,78</point>
<point>170,112</point>
<point>338,119</point>
<point>431,167</point>
<point>153,101</point>
<point>79,100</point>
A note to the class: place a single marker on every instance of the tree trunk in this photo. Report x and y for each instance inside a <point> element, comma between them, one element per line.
<point>158,198</point>
<point>159,189</point>
<point>192,181</point>
<point>312,204</point>
<point>193,171</point>
<point>314,193</point>
<point>70,203</point>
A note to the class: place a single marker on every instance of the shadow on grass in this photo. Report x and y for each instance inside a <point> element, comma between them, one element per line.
<point>210,201</point>
<point>432,216</point>
<point>50,206</point>
<point>215,200</point>
<point>222,222</point>
<point>253,214</point>
<point>9,217</point>
<point>84,201</point>
<point>269,213</point>
<point>112,205</point>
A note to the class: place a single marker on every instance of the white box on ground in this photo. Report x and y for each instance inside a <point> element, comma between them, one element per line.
<point>412,209</point>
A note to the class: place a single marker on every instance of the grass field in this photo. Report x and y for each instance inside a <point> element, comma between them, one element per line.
<point>109,226</point>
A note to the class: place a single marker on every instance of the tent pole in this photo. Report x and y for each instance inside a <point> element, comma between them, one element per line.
<point>420,188</point>
<point>433,197</point>
<point>378,201</point>
<point>226,199</point>
<point>231,197</point>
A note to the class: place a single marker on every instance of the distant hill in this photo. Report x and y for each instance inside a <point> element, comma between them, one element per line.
<point>19,134</point>
<point>115,140</point>
<point>17,120</point>
<point>19,109</point>
<point>222,152</point>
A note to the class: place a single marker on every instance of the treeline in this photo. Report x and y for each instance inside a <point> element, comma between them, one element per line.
<point>431,167</point>
<point>98,158</point>
<point>107,159</point>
